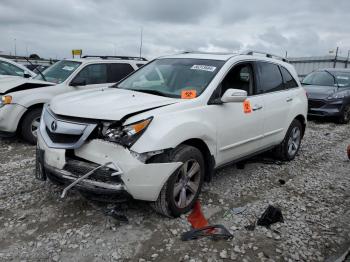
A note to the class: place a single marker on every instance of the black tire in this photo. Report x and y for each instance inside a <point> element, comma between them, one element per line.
<point>166,203</point>
<point>26,128</point>
<point>281,151</point>
<point>345,116</point>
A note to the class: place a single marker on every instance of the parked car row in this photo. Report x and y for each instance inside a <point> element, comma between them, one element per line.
<point>156,131</point>
<point>23,99</point>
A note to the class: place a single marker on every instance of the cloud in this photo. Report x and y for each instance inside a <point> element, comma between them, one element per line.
<point>53,28</point>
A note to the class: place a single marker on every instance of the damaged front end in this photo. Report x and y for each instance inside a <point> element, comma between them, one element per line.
<point>95,158</point>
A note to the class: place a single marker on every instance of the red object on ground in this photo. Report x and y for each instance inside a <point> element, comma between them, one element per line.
<point>196,218</point>
<point>349,151</point>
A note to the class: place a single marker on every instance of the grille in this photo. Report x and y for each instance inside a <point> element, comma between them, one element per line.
<point>80,168</point>
<point>62,138</point>
<point>316,103</point>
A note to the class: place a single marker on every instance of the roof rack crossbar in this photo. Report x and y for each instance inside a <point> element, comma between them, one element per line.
<point>252,52</point>
<point>115,57</point>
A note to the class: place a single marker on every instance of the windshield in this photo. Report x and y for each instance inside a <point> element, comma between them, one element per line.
<point>10,69</point>
<point>59,72</point>
<point>173,77</point>
<point>321,78</point>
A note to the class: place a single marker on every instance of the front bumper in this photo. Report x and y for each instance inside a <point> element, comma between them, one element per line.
<point>140,181</point>
<point>9,118</point>
<point>326,108</point>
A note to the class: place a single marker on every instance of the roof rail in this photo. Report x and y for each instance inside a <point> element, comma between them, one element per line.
<point>115,57</point>
<point>251,52</point>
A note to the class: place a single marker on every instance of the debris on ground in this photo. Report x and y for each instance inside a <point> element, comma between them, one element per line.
<point>196,218</point>
<point>270,216</point>
<point>215,232</point>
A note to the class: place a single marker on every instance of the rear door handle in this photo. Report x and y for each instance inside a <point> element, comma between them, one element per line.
<point>289,99</point>
<point>257,107</point>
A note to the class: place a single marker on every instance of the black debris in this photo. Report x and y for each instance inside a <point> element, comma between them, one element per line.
<point>281,181</point>
<point>215,232</point>
<point>271,215</point>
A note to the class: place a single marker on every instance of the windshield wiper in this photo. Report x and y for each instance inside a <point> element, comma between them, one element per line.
<point>41,74</point>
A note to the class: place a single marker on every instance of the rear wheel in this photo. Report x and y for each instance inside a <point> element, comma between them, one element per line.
<point>180,192</point>
<point>345,116</point>
<point>30,125</point>
<point>290,145</point>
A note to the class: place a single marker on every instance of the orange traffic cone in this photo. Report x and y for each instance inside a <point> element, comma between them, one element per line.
<point>196,218</point>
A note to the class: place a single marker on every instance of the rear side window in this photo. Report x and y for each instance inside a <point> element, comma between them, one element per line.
<point>288,79</point>
<point>93,74</point>
<point>117,72</point>
<point>270,78</point>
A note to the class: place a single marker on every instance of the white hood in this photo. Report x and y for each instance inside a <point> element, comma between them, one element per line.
<point>106,104</point>
<point>11,82</point>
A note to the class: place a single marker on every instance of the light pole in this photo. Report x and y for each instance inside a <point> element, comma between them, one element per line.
<point>347,59</point>
<point>15,48</point>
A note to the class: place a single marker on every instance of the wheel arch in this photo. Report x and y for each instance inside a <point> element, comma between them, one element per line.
<point>209,159</point>
<point>302,120</point>
<point>34,106</point>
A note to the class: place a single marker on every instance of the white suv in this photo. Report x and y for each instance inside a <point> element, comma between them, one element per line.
<point>22,100</point>
<point>162,131</point>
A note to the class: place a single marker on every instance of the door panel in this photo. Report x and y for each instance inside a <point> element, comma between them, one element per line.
<point>276,98</point>
<point>239,134</point>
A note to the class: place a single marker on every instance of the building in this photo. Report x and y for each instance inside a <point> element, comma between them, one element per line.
<point>305,65</point>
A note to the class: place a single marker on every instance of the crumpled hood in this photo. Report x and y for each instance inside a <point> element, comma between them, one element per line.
<point>319,92</point>
<point>15,83</point>
<point>106,104</point>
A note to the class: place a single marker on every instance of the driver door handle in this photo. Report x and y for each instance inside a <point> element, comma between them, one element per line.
<point>289,99</point>
<point>257,107</point>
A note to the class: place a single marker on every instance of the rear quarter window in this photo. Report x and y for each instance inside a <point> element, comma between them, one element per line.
<point>270,78</point>
<point>288,80</point>
<point>117,72</point>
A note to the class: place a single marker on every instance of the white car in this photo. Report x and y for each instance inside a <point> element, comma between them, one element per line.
<point>162,131</point>
<point>11,68</point>
<point>22,99</point>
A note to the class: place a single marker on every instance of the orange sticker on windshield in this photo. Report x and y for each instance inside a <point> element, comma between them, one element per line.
<point>188,94</point>
<point>247,108</point>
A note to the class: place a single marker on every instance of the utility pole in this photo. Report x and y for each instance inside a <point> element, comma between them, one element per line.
<point>286,54</point>
<point>141,42</point>
<point>15,48</point>
<point>335,58</point>
<point>347,59</point>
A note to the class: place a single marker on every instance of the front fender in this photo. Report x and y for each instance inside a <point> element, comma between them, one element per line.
<point>170,130</point>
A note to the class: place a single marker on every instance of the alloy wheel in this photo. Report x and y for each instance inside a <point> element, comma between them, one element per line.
<point>35,126</point>
<point>187,183</point>
<point>294,141</point>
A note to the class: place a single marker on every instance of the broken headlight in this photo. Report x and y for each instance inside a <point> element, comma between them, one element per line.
<point>126,135</point>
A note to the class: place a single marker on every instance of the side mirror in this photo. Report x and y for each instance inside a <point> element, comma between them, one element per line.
<point>234,95</point>
<point>26,75</point>
<point>78,82</point>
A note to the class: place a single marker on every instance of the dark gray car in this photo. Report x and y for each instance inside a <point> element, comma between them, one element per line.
<point>328,92</point>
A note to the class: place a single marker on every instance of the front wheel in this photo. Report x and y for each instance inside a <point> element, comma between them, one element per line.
<point>30,125</point>
<point>290,145</point>
<point>345,116</point>
<point>180,192</point>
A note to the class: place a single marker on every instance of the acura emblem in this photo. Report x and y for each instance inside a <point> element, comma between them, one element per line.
<point>53,125</point>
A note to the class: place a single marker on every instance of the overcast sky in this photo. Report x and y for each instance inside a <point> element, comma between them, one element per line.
<point>52,28</point>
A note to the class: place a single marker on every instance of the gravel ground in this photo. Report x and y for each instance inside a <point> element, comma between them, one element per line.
<point>36,225</point>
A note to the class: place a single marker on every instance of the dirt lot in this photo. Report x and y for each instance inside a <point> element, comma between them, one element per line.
<point>36,225</point>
